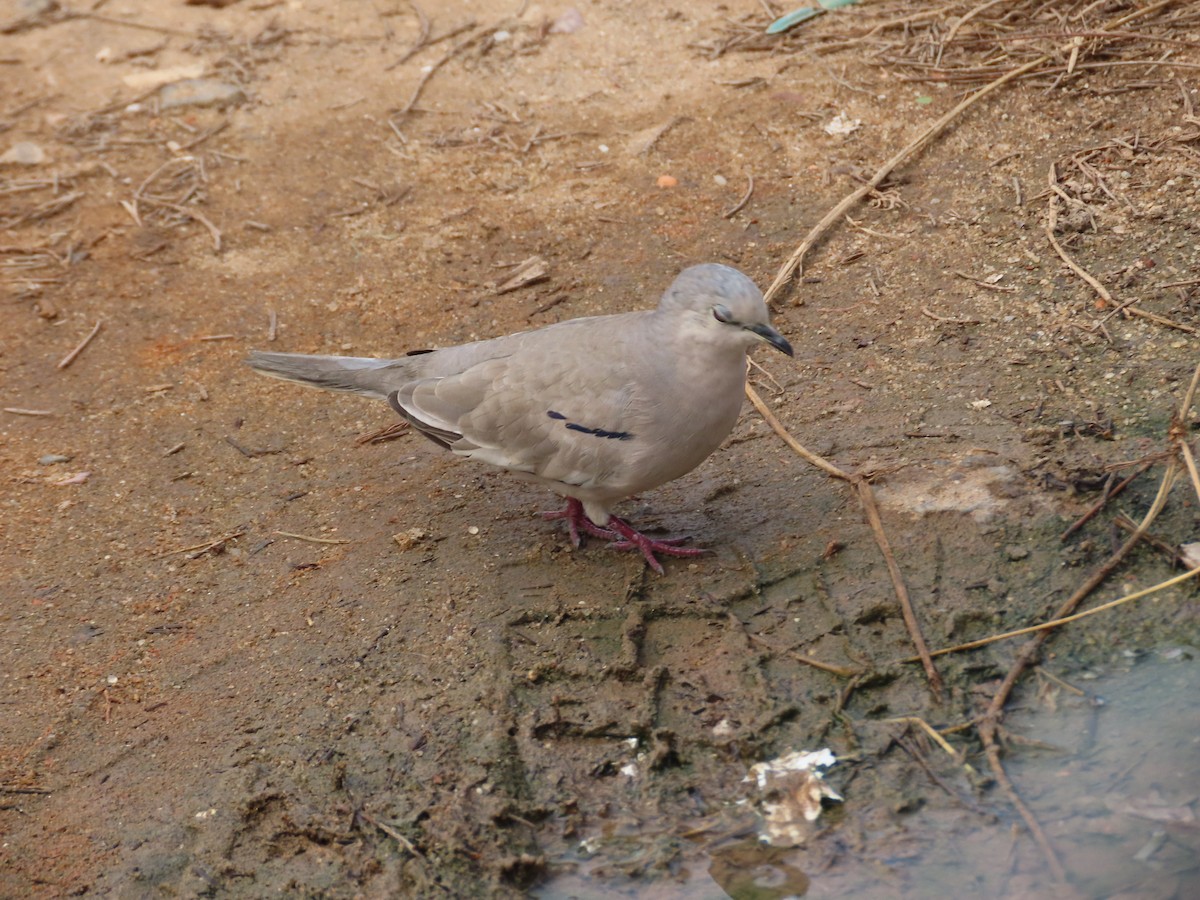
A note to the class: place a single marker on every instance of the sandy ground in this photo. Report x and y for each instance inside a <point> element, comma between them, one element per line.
<point>439,697</point>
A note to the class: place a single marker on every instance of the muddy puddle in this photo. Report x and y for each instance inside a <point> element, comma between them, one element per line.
<point>1107,760</point>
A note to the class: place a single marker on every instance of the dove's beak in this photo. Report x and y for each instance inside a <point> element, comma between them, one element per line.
<point>771,336</point>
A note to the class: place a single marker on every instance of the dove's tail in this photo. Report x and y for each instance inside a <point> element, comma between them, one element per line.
<point>375,378</point>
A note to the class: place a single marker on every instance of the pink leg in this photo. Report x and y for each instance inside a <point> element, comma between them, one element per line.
<point>622,535</point>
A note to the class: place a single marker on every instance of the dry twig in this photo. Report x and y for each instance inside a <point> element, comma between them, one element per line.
<point>432,68</point>
<point>390,832</point>
<point>842,671</point>
<point>79,348</point>
<point>1100,504</point>
<point>192,212</point>
<point>203,546</point>
<point>741,203</point>
<point>310,539</point>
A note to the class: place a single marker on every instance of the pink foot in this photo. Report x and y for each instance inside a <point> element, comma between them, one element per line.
<point>622,535</point>
<point>635,539</point>
<point>577,521</point>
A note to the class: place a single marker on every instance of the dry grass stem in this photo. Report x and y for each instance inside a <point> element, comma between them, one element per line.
<point>1189,397</point>
<point>1055,623</point>
<point>930,314</point>
<point>1065,685</point>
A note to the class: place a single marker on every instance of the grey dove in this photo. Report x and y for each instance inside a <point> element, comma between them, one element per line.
<point>596,409</point>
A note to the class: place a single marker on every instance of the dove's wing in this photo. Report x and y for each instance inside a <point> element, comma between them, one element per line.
<point>557,405</point>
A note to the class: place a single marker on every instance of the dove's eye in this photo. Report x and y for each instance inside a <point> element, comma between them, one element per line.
<point>722,313</point>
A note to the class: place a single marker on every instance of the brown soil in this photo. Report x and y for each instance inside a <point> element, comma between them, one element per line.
<point>439,699</point>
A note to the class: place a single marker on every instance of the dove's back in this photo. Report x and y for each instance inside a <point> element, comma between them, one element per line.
<point>379,378</point>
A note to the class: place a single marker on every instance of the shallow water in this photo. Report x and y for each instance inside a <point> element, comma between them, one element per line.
<point>1113,774</point>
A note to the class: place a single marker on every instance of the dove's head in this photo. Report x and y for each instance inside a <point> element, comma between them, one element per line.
<point>723,306</point>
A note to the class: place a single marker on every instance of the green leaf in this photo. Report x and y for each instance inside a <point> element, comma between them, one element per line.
<point>795,17</point>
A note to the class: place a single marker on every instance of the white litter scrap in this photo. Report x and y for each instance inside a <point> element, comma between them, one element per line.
<point>1190,554</point>
<point>843,125</point>
<point>792,789</point>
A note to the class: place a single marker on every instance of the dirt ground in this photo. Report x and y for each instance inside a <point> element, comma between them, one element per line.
<point>430,693</point>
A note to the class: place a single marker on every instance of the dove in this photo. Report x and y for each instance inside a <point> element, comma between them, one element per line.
<point>597,409</point>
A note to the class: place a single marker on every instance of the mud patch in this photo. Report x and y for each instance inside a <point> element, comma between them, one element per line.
<point>976,486</point>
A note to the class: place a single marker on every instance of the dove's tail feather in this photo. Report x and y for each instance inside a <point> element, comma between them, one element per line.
<point>359,375</point>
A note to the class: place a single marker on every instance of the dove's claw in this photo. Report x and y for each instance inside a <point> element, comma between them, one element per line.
<point>578,522</point>
<point>621,534</point>
<point>634,539</point>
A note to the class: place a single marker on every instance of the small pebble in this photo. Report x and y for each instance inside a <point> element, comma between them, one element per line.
<point>724,728</point>
<point>474,529</point>
<point>721,180</point>
<point>77,478</point>
<point>667,181</point>
<point>200,92</point>
<point>51,459</point>
<point>568,23</point>
<point>24,153</point>
<point>405,540</point>
<point>1015,553</point>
